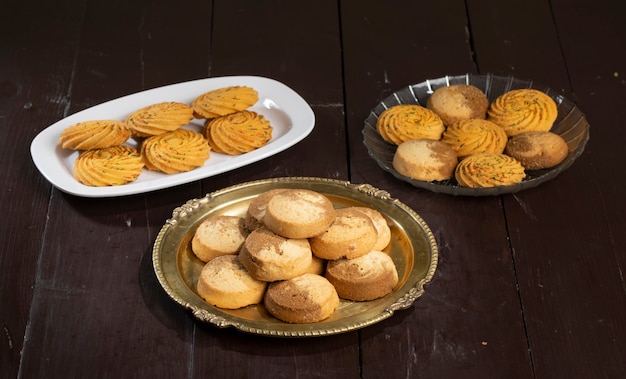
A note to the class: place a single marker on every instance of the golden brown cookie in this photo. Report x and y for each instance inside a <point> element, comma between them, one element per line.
<point>299,213</point>
<point>303,299</point>
<point>458,102</point>
<point>523,110</point>
<point>351,235</point>
<point>318,266</point>
<point>159,118</point>
<point>225,283</point>
<point>270,257</point>
<point>109,166</point>
<point>238,132</point>
<point>475,136</point>
<point>537,150</point>
<point>426,160</point>
<point>489,170</point>
<point>96,134</point>
<point>405,122</point>
<point>365,278</point>
<point>177,151</point>
<point>218,235</point>
<point>382,227</point>
<point>257,207</point>
<point>223,101</point>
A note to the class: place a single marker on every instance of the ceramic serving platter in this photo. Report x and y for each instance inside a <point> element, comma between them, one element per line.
<point>289,114</point>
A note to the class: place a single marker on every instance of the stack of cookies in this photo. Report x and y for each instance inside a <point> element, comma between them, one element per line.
<point>167,140</point>
<point>459,135</point>
<point>296,254</point>
<point>104,161</point>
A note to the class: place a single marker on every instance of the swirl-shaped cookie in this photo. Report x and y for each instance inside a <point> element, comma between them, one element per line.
<point>109,166</point>
<point>223,101</point>
<point>159,118</point>
<point>238,132</point>
<point>489,170</point>
<point>96,134</point>
<point>405,122</point>
<point>176,151</point>
<point>523,110</point>
<point>475,136</point>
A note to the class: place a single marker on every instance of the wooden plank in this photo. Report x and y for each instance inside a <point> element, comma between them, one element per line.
<point>468,323</point>
<point>520,290</point>
<point>297,44</point>
<point>96,276</point>
<point>565,285</point>
<point>34,80</point>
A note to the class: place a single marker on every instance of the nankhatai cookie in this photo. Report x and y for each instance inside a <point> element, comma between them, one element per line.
<point>109,166</point>
<point>96,134</point>
<point>523,110</point>
<point>256,209</point>
<point>351,235</point>
<point>458,102</point>
<point>380,223</point>
<point>270,257</point>
<point>225,283</point>
<point>489,170</point>
<point>475,136</point>
<point>238,132</point>
<point>537,150</point>
<point>223,101</point>
<point>318,265</point>
<point>365,278</point>
<point>405,122</point>
<point>425,160</point>
<point>218,235</point>
<point>299,213</point>
<point>159,118</point>
<point>177,151</point>
<point>304,299</point>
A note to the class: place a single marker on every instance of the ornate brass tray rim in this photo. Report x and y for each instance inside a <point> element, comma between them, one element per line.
<point>403,298</point>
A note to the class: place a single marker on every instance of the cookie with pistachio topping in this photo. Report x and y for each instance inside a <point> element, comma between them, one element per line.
<point>489,170</point>
<point>475,136</point>
<point>223,101</point>
<point>238,133</point>
<point>110,166</point>
<point>404,122</point>
<point>159,118</point>
<point>94,134</point>
<point>177,151</point>
<point>523,110</point>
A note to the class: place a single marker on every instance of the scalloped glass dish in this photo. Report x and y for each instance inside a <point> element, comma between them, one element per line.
<point>289,114</point>
<point>570,124</point>
<point>413,249</point>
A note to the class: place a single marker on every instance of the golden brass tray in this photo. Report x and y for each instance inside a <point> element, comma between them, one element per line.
<point>413,249</point>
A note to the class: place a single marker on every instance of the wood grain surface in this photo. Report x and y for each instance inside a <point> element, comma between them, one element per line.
<point>529,285</point>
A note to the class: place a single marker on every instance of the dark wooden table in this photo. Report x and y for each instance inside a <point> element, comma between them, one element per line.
<point>529,285</point>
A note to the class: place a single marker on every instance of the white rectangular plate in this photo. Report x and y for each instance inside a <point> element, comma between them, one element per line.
<point>289,114</point>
